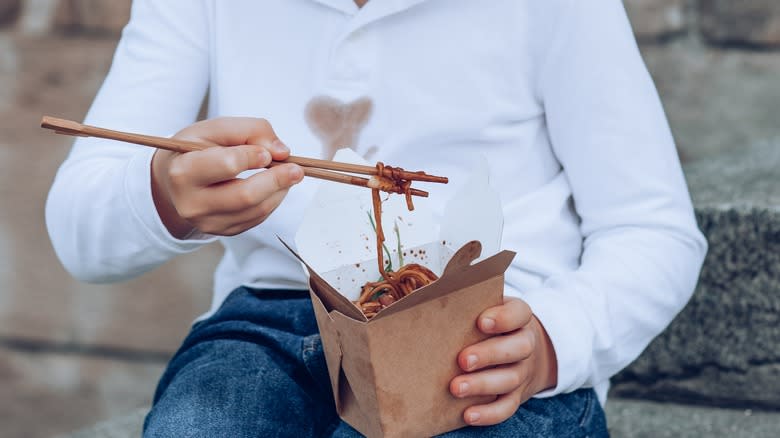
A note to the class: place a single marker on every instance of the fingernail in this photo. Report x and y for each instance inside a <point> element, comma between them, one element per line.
<point>278,146</point>
<point>488,323</point>
<point>473,417</point>
<point>265,157</point>
<point>296,173</point>
<point>463,388</point>
<point>471,360</point>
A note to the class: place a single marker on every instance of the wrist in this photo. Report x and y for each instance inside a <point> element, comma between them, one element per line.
<point>547,362</point>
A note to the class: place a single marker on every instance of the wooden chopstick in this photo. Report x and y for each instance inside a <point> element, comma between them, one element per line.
<point>311,167</point>
<point>365,170</point>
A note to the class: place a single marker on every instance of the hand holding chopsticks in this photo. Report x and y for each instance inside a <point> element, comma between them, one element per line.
<point>393,180</point>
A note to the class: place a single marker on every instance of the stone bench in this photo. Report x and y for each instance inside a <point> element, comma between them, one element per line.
<point>724,348</point>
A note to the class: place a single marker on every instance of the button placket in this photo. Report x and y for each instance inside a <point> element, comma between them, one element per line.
<point>344,93</point>
<point>352,61</point>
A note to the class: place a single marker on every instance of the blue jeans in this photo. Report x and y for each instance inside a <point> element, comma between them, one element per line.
<point>256,369</point>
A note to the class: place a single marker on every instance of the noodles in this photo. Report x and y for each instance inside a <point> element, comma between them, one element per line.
<point>390,179</point>
<point>376,295</point>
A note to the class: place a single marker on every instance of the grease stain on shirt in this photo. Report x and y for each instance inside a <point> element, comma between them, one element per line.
<point>338,124</point>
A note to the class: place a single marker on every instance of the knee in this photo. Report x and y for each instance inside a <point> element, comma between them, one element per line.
<point>228,392</point>
<point>185,417</point>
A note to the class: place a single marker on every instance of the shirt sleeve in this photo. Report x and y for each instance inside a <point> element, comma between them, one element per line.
<point>100,214</point>
<point>642,250</point>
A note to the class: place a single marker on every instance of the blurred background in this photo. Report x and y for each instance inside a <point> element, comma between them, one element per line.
<point>72,354</point>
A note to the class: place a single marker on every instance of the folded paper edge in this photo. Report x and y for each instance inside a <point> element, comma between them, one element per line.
<point>331,346</point>
<point>353,335</point>
<point>490,267</point>
<point>463,257</point>
<point>330,298</point>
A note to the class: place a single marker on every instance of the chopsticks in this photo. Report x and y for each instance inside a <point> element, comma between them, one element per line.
<point>312,167</point>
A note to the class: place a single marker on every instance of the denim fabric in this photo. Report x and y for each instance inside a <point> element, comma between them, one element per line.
<point>256,369</point>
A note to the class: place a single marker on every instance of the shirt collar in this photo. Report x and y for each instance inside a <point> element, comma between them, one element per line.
<point>372,11</point>
<point>346,6</point>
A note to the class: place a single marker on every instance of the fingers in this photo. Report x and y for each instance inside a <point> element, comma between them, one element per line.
<point>231,131</point>
<point>217,164</point>
<point>200,189</point>
<point>510,316</point>
<point>493,413</point>
<point>498,350</point>
<point>234,206</point>
<point>499,380</point>
<point>231,225</point>
<point>507,363</point>
<point>239,194</point>
<point>517,344</point>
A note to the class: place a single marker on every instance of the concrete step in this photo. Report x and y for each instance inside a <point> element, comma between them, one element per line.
<point>626,418</point>
<point>722,349</point>
<point>644,419</point>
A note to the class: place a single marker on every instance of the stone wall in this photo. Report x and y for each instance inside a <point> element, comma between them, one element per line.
<point>748,23</point>
<point>40,17</point>
<point>751,23</point>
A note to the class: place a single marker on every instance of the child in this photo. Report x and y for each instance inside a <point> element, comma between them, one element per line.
<point>553,93</point>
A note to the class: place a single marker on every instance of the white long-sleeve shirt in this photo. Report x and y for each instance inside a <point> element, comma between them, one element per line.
<point>554,93</point>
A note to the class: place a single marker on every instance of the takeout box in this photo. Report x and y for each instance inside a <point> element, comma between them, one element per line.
<point>390,375</point>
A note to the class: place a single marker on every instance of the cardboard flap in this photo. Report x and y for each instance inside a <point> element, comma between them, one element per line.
<point>463,258</point>
<point>331,346</point>
<point>344,395</point>
<point>331,299</point>
<point>357,391</point>
<point>465,276</point>
<point>490,267</point>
